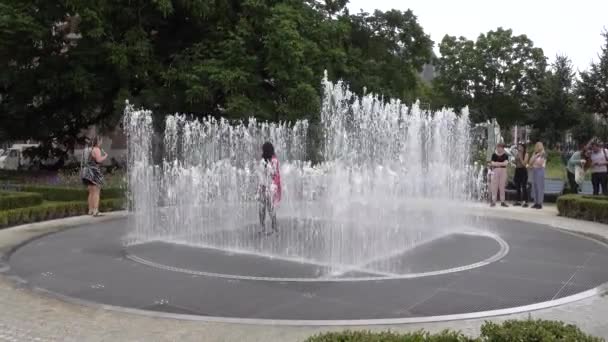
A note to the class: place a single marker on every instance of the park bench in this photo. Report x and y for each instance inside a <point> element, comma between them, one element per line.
<point>586,188</point>
<point>553,189</point>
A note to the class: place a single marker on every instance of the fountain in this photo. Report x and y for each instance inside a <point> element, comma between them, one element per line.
<point>377,230</point>
<point>380,189</point>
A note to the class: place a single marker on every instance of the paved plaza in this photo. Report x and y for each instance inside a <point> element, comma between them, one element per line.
<point>30,315</point>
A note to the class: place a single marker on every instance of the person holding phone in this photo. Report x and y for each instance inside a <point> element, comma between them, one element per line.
<point>498,164</point>
<point>92,176</point>
<point>599,171</point>
<point>538,162</point>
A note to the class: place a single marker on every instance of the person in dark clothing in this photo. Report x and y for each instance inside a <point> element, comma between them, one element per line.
<point>521,176</point>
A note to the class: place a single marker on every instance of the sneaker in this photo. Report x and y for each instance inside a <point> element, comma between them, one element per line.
<point>516,204</point>
<point>492,204</point>
<point>539,206</point>
<point>525,205</point>
<point>504,205</point>
<point>535,206</point>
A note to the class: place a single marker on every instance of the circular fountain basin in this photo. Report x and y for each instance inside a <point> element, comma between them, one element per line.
<point>452,252</point>
<point>498,266</point>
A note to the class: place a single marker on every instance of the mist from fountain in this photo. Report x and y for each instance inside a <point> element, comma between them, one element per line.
<point>386,169</point>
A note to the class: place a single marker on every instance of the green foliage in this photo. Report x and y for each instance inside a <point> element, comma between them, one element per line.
<point>508,331</point>
<point>533,330</point>
<point>13,200</point>
<point>554,102</point>
<point>590,208</point>
<point>259,58</point>
<point>494,75</point>
<point>53,210</point>
<point>593,87</point>
<point>368,336</point>
<point>50,193</point>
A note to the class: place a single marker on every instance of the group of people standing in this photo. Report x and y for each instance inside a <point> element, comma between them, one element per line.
<point>523,163</point>
<point>592,157</point>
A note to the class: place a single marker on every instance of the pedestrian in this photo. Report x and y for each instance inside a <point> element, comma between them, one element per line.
<point>521,175</point>
<point>269,189</point>
<point>574,167</point>
<point>538,161</point>
<point>599,171</point>
<point>498,181</point>
<point>92,176</point>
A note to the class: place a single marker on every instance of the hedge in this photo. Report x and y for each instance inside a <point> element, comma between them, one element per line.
<point>509,331</point>
<point>591,208</point>
<point>53,210</point>
<point>54,193</point>
<point>13,200</point>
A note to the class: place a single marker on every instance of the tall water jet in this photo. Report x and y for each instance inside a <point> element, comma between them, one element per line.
<point>385,170</point>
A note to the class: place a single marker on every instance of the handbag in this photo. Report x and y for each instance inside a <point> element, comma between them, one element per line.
<point>579,175</point>
<point>85,170</point>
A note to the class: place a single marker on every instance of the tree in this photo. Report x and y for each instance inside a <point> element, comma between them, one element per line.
<point>496,75</point>
<point>554,104</point>
<point>72,63</point>
<point>593,87</point>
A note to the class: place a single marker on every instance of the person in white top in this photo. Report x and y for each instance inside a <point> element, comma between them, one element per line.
<point>599,168</point>
<point>538,162</point>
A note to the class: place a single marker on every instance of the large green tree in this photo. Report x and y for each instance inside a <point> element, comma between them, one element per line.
<point>554,104</point>
<point>72,63</point>
<point>496,75</point>
<point>593,86</point>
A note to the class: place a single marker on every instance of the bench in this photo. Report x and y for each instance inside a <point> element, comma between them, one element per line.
<point>586,188</point>
<point>553,189</point>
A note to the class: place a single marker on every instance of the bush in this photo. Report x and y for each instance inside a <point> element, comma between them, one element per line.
<point>53,210</point>
<point>584,207</point>
<point>53,193</point>
<point>533,330</point>
<point>13,200</point>
<point>368,336</point>
<point>509,331</point>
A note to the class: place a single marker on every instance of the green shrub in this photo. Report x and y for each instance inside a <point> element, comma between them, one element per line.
<point>583,207</point>
<point>368,336</point>
<point>54,193</point>
<point>533,330</point>
<point>53,210</point>
<point>13,200</point>
<point>509,331</point>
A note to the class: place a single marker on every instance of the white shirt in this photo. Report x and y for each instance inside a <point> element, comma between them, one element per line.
<point>598,157</point>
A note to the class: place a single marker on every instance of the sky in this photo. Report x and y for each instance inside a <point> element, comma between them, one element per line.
<point>560,27</point>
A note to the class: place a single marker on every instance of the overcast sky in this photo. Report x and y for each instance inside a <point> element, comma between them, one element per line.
<point>558,27</point>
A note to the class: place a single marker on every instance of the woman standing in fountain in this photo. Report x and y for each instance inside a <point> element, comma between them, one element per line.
<point>499,163</point>
<point>538,163</point>
<point>92,176</point>
<point>269,191</point>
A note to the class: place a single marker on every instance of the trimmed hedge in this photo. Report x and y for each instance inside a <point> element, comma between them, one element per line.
<point>53,210</point>
<point>13,200</point>
<point>534,330</point>
<point>508,331</point>
<point>54,193</point>
<point>388,336</point>
<point>590,208</point>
